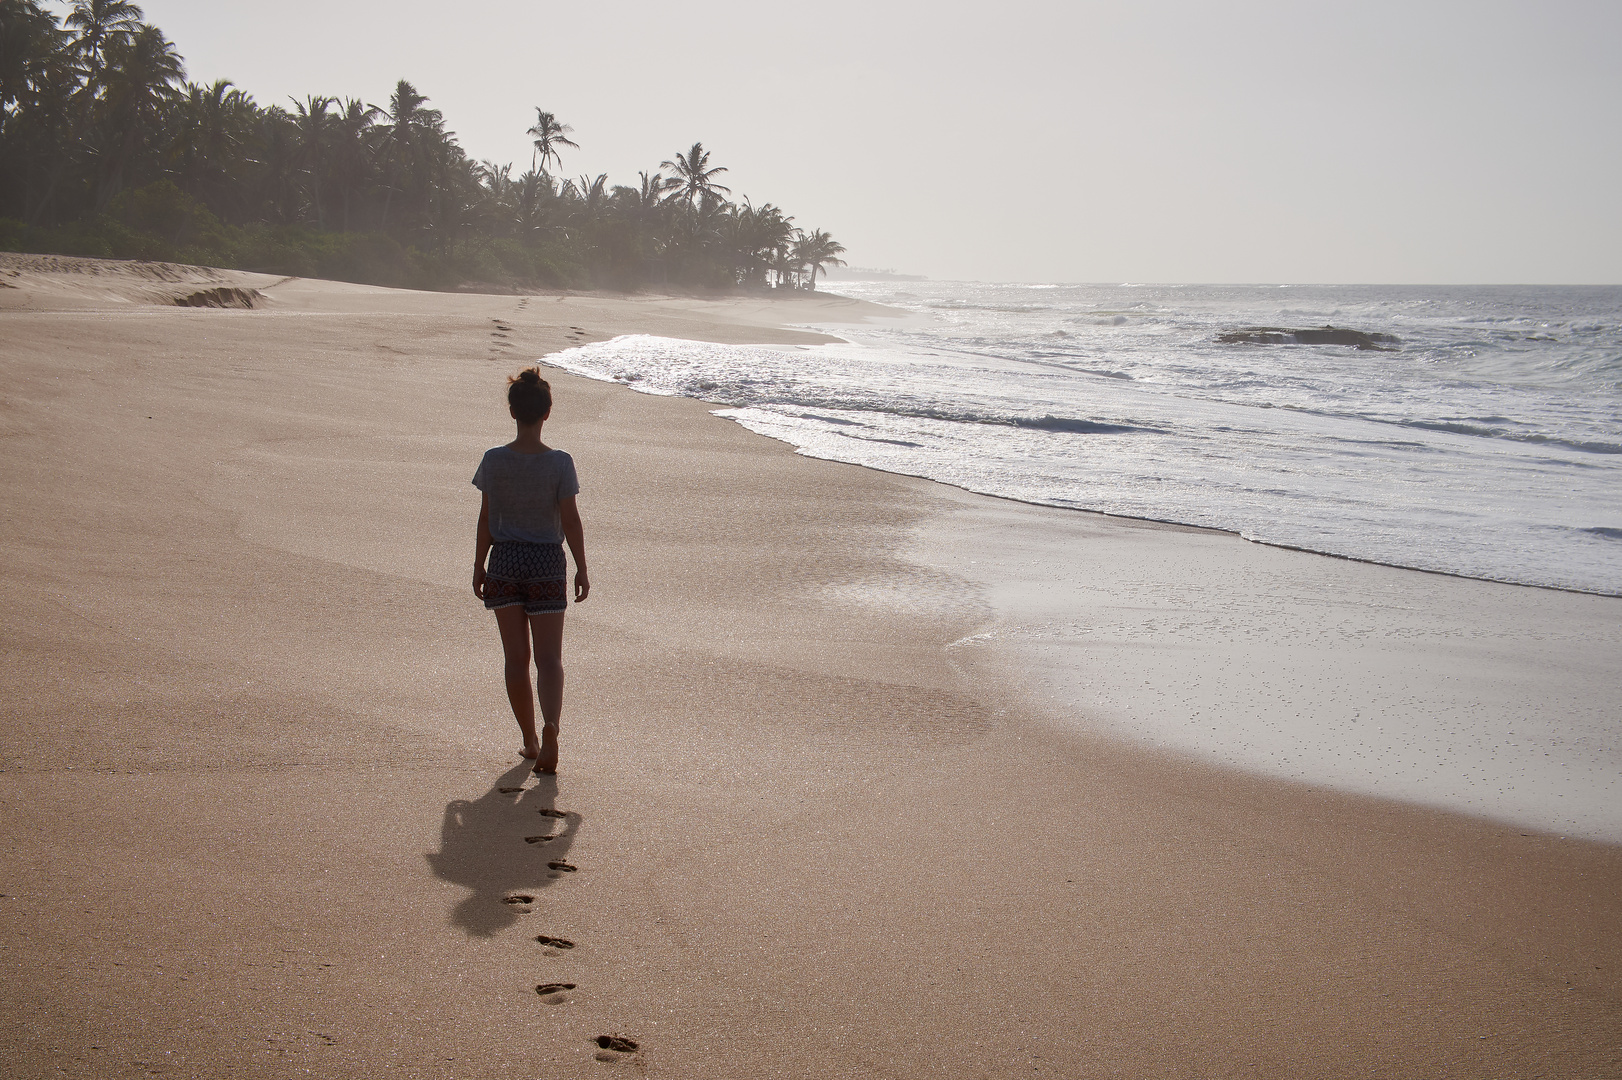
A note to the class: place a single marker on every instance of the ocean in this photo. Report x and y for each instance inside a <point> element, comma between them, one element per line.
<point>1470,430</point>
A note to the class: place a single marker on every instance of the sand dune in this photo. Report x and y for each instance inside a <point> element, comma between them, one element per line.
<point>257,760</point>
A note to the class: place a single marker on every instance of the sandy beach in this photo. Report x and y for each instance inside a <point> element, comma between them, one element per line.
<point>814,822</point>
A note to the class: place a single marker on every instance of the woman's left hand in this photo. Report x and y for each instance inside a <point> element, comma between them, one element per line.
<point>478,582</point>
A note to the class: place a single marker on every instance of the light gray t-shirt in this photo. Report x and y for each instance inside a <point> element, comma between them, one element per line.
<point>524,490</point>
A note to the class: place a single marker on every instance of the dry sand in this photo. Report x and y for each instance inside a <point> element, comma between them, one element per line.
<point>255,738</point>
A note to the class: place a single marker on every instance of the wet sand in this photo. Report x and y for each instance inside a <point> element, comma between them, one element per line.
<point>1477,697</point>
<point>255,741</point>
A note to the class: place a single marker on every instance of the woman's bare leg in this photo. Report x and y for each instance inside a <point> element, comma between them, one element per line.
<point>547,633</point>
<point>520,695</point>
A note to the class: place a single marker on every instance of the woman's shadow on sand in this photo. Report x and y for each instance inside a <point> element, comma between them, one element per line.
<point>492,845</point>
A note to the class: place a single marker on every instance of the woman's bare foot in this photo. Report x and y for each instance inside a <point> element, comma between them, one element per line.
<point>530,752</point>
<point>546,760</point>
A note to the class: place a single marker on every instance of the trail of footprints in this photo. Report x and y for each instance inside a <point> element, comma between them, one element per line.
<point>500,344</point>
<point>610,1047</point>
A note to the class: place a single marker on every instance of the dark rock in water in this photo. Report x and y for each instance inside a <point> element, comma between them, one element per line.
<point>1331,335</point>
<point>222,297</point>
<point>1327,335</point>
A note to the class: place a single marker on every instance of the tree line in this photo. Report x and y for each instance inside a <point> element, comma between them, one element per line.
<point>106,150</point>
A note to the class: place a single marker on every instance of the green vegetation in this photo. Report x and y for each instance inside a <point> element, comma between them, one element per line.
<point>106,151</point>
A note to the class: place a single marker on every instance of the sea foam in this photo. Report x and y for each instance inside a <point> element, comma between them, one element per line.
<point>1482,438</point>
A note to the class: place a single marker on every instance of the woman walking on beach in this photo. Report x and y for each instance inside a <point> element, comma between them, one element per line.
<point>527,515</point>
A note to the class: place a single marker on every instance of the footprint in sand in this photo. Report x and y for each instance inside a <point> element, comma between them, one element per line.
<point>509,790</point>
<point>554,946</point>
<point>555,993</point>
<point>522,900</point>
<point>613,1047</point>
<point>562,867</point>
<point>539,839</point>
<point>549,813</point>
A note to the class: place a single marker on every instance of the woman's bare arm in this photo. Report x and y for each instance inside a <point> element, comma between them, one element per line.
<point>481,547</point>
<point>575,535</point>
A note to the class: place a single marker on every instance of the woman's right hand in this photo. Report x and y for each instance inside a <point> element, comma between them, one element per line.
<point>478,581</point>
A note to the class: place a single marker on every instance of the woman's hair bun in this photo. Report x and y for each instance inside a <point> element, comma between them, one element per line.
<point>529,395</point>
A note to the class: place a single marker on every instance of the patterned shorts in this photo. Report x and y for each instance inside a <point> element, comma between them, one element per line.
<point>535,575</point>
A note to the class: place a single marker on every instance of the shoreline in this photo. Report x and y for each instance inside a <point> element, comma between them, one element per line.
<point>1074,710</point>
<point>1234,533</point>
<point>730,410</point>
<point>256,744</point>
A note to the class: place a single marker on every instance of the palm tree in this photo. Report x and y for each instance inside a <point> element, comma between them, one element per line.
<point>496,179</point>
<point>38,80</point>
<point>589,190</point>
<point>549,135</point>
<point>101,23</point>
<point>408,146</point>
<point>29,40</point>
<point>644,204</point>
<point>210,124</point>
<point>315,142</point>
<point>760,240</point>
<point>142,70</point>
<point>453,191</point>
<point>815,250</point>
<point>531,194</point>
<point>275,177</point>
<point>493,211</point>
<point>651,191</point>
<point>694,183</point>
<point>354,137</point>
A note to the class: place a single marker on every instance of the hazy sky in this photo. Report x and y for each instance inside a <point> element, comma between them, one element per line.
<point>1191,141</point>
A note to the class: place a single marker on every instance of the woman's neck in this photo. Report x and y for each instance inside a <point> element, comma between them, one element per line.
<point>529,440</point>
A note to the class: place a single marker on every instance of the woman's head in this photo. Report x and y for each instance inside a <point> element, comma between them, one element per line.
<point>529,395</point>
